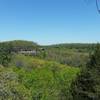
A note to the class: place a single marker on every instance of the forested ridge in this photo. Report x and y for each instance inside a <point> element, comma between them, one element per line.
<point>56,72</point>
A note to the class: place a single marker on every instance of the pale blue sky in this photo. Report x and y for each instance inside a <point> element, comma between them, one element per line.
<point>49,21</point>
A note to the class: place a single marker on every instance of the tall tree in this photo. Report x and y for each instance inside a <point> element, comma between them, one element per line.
<point>87,84</point>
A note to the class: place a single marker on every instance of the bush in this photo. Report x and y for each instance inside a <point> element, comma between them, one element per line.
<point>10,88</point>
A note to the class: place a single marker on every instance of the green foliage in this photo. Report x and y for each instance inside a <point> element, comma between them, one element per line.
<point>67,53</point>
<point>10,87</point>
<point>5,54</point>
<point>46,80</point>
<point>18,45</point>
<point>26,62</point>
<point>87,84</point>
<point>22,43</point>
<point>32,78</point>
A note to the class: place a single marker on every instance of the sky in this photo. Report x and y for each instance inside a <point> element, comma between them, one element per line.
<point>49,21</point>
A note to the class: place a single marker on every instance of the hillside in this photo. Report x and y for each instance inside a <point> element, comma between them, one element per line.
<point>35,78</point>
<point>62,53</point>
<point>17,45</point>
<point>67,53</point>
<point>51,75</point>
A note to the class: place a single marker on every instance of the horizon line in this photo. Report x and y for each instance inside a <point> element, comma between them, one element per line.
<point>47,44</point>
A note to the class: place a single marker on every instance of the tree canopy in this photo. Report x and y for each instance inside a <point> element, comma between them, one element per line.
<point>87,84</point>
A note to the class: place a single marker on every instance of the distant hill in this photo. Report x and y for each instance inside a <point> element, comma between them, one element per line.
<point>17,45</point>
<point>85,47</point>
<point>73,54</point>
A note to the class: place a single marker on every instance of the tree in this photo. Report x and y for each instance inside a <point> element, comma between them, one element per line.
<point>87,84</point>
<point>5,54</point>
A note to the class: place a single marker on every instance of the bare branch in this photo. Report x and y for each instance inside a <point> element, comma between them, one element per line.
<point>97,5</point>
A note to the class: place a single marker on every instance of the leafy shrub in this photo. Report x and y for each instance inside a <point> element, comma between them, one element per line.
<point>10,88</point>
<point>47,80</point>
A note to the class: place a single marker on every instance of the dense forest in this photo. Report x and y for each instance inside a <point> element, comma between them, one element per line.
<point>55,72</point>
